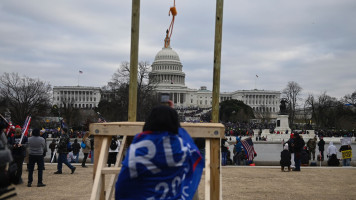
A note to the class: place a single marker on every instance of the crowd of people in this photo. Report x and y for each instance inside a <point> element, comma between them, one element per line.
<point>246,128</point>
<point>56,133</point>
<point>297,153</point>
<point>335,133</point>
<point>30,147</point>
<point>162,131</point>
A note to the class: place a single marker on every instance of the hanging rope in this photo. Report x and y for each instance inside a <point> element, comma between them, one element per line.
<point>169,31</point>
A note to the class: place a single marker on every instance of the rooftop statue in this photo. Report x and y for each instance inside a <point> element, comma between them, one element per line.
<point>283,106</point>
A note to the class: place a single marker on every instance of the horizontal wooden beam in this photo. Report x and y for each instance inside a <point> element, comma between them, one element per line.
<point>196,130</point>
<point>111,170</point>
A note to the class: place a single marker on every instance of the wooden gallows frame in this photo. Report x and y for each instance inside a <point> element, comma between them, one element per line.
<point>212,132</point>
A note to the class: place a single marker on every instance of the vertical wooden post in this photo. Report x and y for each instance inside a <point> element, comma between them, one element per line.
<point>97,146</point>
<point>215,143</point>
<point>98,191</point>
<point>135,27</point>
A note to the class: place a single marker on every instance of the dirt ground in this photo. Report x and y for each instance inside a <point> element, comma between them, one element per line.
<point>237,183</point>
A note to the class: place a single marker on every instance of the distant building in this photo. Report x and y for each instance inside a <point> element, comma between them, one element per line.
<point>76,96</point>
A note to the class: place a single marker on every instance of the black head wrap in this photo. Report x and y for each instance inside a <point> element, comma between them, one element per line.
<point>162,118</point>
<point>36,132</point>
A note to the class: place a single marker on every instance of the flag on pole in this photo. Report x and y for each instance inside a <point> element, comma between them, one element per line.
<point>247,144</point>
<point>101,118</point>
<point>80,72</point>
<point>26,126</point>
<point>9,128</point>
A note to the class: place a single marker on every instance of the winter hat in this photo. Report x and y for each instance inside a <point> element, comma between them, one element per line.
<point>285,146</point>
<point>17,129</point>
<point>36,132</point>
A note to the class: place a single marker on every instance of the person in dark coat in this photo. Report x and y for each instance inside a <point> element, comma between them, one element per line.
<point>76,148</point>
<point>297,147</point>
<point>285,158</point>
<point>18,149</point>
<point>305,156</point>
<point>63,151</point>
<point>291,150</point>
<point>224,151</point>
<point>53,146</point>
<point>321,145</point>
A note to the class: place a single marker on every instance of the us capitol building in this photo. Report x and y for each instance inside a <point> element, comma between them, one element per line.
<point>168,76</point>
<point>167,73</point>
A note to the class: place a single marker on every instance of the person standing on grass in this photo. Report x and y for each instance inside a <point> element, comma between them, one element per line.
<point>37,146</point>
<point>76,149</point>
<point>297,145</point>
<point>291,150</point>
<point>113,150</point>
<point>18,150</point>
<point>86,150</point>
<point>63,151</point>
<point>285,158</point>
<point>311,144</point>
<point>346,152</point>
<point>321,145</point>
<point>53,146</point>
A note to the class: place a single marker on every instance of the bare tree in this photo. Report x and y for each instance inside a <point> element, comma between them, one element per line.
<point>122,75</point>
<point>24,96</point>
<point>328,112</point>
<point>350,99</point>
<point>292,93</point>
<point>119,86</point>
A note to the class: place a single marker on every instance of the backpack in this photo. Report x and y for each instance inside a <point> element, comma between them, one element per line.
<point>83,145</point>
<point>113,145</point>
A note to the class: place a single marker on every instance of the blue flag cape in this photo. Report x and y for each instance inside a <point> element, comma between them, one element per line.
<point>160,165</point>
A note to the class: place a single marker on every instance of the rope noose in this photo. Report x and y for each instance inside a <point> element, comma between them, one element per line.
<point>169,31</point>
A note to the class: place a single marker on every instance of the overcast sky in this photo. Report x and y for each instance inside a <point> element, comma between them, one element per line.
<point>310,42</point>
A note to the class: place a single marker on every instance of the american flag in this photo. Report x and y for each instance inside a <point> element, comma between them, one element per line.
<point>9,128</point>
<point>248,146</point>
<point>25,127</point>
<point>101,118</point>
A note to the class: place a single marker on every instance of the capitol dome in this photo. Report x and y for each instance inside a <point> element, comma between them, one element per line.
<point>167,54</point>
<point>167,69</point>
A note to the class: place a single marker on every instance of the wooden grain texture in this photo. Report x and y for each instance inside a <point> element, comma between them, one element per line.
<point>195,130</point>
<point>98,191</point>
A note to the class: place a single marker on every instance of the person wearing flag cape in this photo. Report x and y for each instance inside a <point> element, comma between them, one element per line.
<point>18,144</point>
<point>162,162</point>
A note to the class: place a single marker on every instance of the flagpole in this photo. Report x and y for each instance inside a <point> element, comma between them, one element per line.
<point>25,127</point>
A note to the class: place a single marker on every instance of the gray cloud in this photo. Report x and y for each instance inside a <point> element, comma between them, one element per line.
<point>310,42</point>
